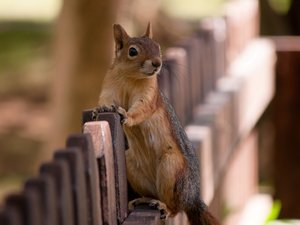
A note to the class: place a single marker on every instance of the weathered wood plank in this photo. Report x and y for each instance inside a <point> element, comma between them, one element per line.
<point>206,60</point>
<point>74,158</point>
<point>10,216</point>
<point>143,215</point>
<point>59,172</point>
<point>27,205</point>
<point>16,204</point>
<point>212,117</point>
<point>84,143</point>
<point>213,33</point>
<point>44,186</point>
<point>33,206</point>
<point>286,120</point>
<point>242,18</point>
<point>118,140</point>
<point>254,72</point>
<point>201,137</point>
<point>179,82</point>
<point>193,49</point>
<point>101,137</point>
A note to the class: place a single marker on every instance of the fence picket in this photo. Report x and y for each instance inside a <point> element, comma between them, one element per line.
<point>33,207</point>
<point>28,206</point>
<point>179,83</point>
<point>201,138</point>
<point>74,159</point>
<point>118,142</point>
<point>101,137</point>
<point>84,143</point>
<point>44,186</point>
<point>212,117</point>
<point>192,47</point>
<point>17,203</point>
<point>10,216</point>
<point>143,215</point>
<point>58,171</point>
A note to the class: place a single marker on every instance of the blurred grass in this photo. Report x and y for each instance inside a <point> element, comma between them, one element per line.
<point>275,210</point>
<point>20,43</point>
<point>280,6</point>
<point>24,55</point>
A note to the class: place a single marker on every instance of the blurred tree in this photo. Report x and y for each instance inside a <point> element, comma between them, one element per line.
<point>82,53</point>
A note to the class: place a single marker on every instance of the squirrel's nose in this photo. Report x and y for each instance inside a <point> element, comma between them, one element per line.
<point>156,63</point>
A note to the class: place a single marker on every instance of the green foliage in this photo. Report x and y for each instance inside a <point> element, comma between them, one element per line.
<point>24,56</point>
<point>273,216</point>
<point>280,6</point>
<point>20,43</point>
<point>274,211</point>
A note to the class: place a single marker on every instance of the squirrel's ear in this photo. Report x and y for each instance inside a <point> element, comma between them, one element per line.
<point>120,36</point>
<point>148,32</point>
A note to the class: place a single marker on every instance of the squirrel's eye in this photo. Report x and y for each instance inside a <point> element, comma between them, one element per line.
<point>132,52</point>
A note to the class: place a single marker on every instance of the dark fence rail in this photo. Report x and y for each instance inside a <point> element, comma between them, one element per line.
<point>286,122</point>
<point>219,81</point>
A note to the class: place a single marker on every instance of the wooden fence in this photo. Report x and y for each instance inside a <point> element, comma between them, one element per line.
<point>219,81</point>
<point>286,122</point>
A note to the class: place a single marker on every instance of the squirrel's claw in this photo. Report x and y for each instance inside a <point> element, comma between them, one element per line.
<point>122,112</point>
<point>103,109</point>
<point>163,209</point>
<point>126,120</point>
<point>154,203</point>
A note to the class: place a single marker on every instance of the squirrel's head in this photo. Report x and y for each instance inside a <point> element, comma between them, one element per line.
<point>137,57</point>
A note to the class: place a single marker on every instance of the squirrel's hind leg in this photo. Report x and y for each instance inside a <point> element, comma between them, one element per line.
<point>154,203</point>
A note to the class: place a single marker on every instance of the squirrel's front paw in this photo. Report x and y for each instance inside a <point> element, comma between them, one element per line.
<point>154,203</point>
<point>127,120</point>
<point>102,109</point>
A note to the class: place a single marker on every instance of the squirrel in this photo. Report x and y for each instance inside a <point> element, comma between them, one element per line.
<point>161,162</point>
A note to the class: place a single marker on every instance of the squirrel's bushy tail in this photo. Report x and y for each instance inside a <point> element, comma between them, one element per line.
<point>197,216</point>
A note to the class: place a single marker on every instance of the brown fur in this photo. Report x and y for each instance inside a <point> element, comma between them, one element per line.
<point>161,164</point>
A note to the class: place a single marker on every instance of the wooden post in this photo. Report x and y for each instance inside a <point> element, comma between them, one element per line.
<point>179,82</point>
<point>44,187</point>
<point>10,217</point>
<point>84,143</point>
<point>101,137</point>
<point>119,146</point>
<point>74,159</point>
<point>287,125</point>
<point>59,172</point>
